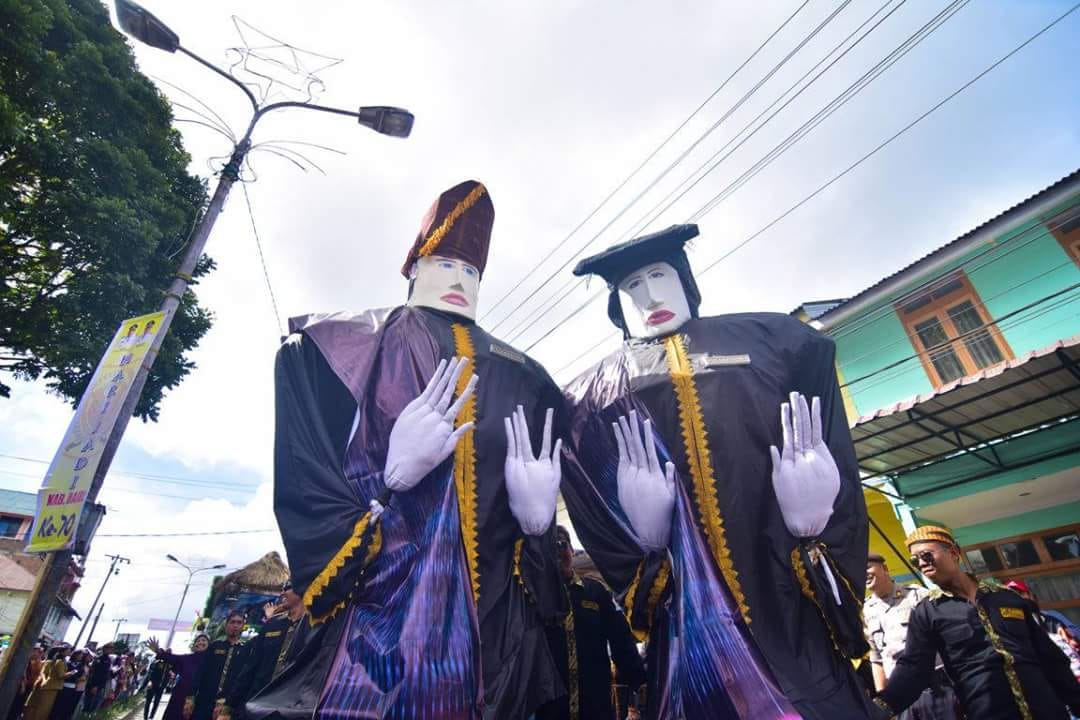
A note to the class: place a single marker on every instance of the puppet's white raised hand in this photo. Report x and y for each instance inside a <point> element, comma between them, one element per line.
<point>646,493</point>
<point>804,477</point>
<point>424,435</point>
<point>532,483</point>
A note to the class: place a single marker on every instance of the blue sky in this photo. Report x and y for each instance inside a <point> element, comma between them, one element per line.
<point>551,105</point>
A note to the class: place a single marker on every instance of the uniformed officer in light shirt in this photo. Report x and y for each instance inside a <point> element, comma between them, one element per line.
<point>885,617</point>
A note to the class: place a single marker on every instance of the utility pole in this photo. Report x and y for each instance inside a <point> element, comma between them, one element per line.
<point>116,559</point>
<point>191,573</point>
<point>146,28</point>
<point>116,634</point>
<point>93,627</point>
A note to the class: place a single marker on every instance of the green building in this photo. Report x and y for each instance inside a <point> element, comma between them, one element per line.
<point>961,378</point>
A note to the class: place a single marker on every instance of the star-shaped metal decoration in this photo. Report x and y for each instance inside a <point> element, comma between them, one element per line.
<point>276,70</point>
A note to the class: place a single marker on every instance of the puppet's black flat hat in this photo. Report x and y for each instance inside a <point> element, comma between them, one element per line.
<point>620,260</point>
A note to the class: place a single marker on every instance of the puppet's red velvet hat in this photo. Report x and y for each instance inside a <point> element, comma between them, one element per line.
<point>457,226</point>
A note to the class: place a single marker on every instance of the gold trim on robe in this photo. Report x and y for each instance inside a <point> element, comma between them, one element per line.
<point>699,458</point>
<point>465,461</point>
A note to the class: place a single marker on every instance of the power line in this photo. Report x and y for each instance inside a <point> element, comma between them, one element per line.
<point>572,284</point>
<point>528,273</point>
<point>645,221</point>
<point>888,141</point>
<point>1041,231</point>
<point>262,258</point>
<point>911,336</point>
<point>1003,326</point>
<point>820,116</point>
<point>705,210</point>
<point>145,476</point>
<point>965,334</point>
<point>188,534</point>
<point>1044,229</point>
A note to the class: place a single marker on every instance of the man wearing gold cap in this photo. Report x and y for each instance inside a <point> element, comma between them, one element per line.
<point>416,515</point>
<point>1001,663</point>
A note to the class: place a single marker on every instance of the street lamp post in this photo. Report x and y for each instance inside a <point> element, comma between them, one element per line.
<point>148,29</point>
<point>191,573</point>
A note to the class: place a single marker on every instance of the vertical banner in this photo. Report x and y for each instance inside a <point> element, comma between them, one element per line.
<point>61,497</point>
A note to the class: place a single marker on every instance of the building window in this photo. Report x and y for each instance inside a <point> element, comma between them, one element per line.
<point>951,331</point>
<point>1068,234</point>
<point>1048,561</point>
<point>9,526</point>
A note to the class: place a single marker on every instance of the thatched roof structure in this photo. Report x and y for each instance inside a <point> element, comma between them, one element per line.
<point>265,575</point>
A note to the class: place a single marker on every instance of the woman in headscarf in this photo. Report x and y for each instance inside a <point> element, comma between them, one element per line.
<point>47,687</point>
<point>186,668</point>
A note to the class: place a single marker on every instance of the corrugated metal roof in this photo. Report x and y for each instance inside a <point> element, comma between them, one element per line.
<point>14,576</point>
<point>14,502</point>
<point>1037,388</point>
<point>1015,209</point>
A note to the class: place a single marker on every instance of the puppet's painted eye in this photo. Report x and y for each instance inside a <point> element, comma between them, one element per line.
<point>446,265</point>
<point>469,270</point>
<point>633,284</point>
<point>656,274</point>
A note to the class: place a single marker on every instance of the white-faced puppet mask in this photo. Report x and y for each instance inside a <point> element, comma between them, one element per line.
<point>653,301</point>
<point>446,284</point>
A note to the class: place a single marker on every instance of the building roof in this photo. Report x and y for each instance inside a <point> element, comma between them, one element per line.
<point>814,309</point>
<point>267,574</point>
<point>14,577</point>
<point>971,425</point>
<point>14,502</point>
<point>1014,212</point>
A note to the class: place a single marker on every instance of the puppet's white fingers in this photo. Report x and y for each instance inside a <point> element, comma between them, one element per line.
<point>805,432</point>
<point>454,410</point>
<point>650,448</point>
<point>815,417</point>
<point>785,423</point>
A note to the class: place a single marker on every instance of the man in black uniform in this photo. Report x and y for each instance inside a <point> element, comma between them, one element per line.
<point>220,671</point>
<point>155,686</point>
<point>268,652</point>
<point>1001,663</point>
<point>580,646</point>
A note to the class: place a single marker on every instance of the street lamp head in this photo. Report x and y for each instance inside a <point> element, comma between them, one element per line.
<point>172,557</point>
<point>391,121</point>
<point>218,567</point>
<point>141,24</point>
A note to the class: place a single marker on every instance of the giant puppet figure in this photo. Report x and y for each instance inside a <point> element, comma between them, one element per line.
<point>720,494</point>
<point>417,520</point>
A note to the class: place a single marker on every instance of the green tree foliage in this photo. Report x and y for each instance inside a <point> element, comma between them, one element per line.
<point>96,203</point>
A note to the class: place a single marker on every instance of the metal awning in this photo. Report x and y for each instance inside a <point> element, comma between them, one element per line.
<point>1007,416</point>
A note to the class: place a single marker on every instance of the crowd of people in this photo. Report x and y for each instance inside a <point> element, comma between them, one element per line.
<point>62,683</point>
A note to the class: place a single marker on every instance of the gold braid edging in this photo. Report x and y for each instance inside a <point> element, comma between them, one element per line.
<point>519,546</point>
<point>657,589</point>
<point>804,586</point>
<point>346,551</point>
<point>1010,664</point>
<point>697,454</point>
<point>452,217</point>
<point>659,582</point>
<point>465,460</point>
<point>628,602</point>
<point>373,549</point>
<point>572,665</point>
<point>885,706</point>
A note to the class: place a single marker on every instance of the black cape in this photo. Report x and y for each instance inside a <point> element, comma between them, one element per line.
<point>398,577</point>
<point>738,556</point>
